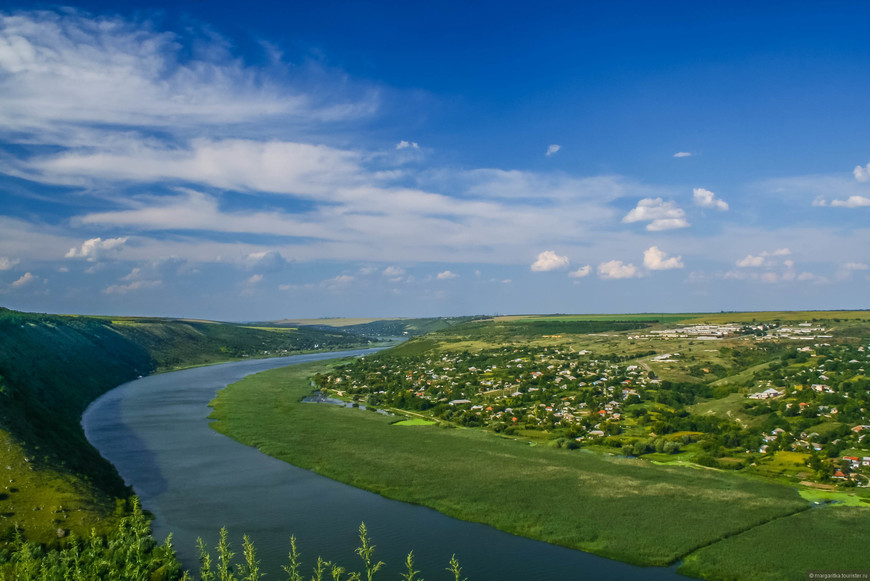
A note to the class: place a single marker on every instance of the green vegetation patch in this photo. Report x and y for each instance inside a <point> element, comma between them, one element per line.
<point>415,422</point>
<point>820,496</point>
<point>830,538</point>
<point>620,508</point>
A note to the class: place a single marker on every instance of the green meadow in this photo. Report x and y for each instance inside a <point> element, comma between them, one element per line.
<point>626,509</point>
<point>829,538</point>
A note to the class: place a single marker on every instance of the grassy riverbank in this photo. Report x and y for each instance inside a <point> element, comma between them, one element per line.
<point>625,509</point>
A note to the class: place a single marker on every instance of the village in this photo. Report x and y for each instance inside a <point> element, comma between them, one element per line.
<point>810,400</point>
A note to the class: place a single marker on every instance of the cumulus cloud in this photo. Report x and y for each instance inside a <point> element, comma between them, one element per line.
<point>122,289</point>
<point>553,149</point>
<point>754,261</point>
<point>447,275</point>
<point>855,201</point>
<point>96,249</point>
<point>616,269</point>
<point>254,279</point>
<point>581,272</point>
<point>661,215</point>
<point>707,199</point>
<point>393,272</point>
<point>751,261</point>
<point>25,279</point>
<point>549,260</point>
<point>7,263</point>
<point>407,145</point>
<point>266,260</point>
<point>683,154</point>
<point>862,173</point>
<point>655,259</point>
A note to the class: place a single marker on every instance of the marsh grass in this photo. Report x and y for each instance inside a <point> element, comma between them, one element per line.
<point>830,538</point>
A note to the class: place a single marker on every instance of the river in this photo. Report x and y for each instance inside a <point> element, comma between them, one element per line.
<point>194,480</point>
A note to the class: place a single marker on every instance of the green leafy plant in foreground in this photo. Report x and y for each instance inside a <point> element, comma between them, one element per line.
<point>131,553</point>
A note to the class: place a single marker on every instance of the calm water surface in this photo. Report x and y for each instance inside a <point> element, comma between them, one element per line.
<point>156,432</point>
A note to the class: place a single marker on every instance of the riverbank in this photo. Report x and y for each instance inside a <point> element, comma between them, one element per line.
<point>625,509</point>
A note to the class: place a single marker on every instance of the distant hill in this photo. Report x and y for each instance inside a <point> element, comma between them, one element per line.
<point>373,327</point>
<point>53,366</point>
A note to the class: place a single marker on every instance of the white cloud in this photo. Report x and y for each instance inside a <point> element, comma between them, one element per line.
<point>707,199</point>
<point>616,269</point>
<point>96,249</point>
<point>769,277</point>
<point>407,145</point>
<point>7,263</point>
<point>122,289</point>
<point>26,278</point>
<point>751,261</point>
<point>855,266</point>
<point>804,276</point>
<point>655,259</point>
<point>254,279</point>
<point>339,280</point>
<point>661,215</point>
<point>266,260</point>
<point>820,201</point>
<point>683,154</point>
<point>754,261</point>
<point>862,173</point>
<point>549,260</point>
<point>855,201</point>
<point>581,272</point>
<point>553,149</point>
<point>447,275</point>
<point>112,71</point>
<point>393,272</point>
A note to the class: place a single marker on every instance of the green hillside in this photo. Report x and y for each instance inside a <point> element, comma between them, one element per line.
<point>53,366</point>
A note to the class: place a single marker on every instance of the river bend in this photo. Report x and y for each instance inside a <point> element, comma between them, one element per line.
<point>156,432</point>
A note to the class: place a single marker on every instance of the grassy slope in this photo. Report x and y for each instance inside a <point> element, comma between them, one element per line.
<point>625,509</point>
<point>52,367</point>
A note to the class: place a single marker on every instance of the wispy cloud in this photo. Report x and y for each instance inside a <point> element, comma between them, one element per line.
<point>122,289</point>
<point>683,154</point>
<point>446,275</point>
<point>113,71</point>
<point>581,272</point>
<point>553,149</point>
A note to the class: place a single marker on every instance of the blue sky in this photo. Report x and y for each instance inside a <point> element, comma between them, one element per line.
<point>205,159</point>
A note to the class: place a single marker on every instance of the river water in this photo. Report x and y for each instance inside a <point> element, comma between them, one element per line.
<point>156,432</point>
